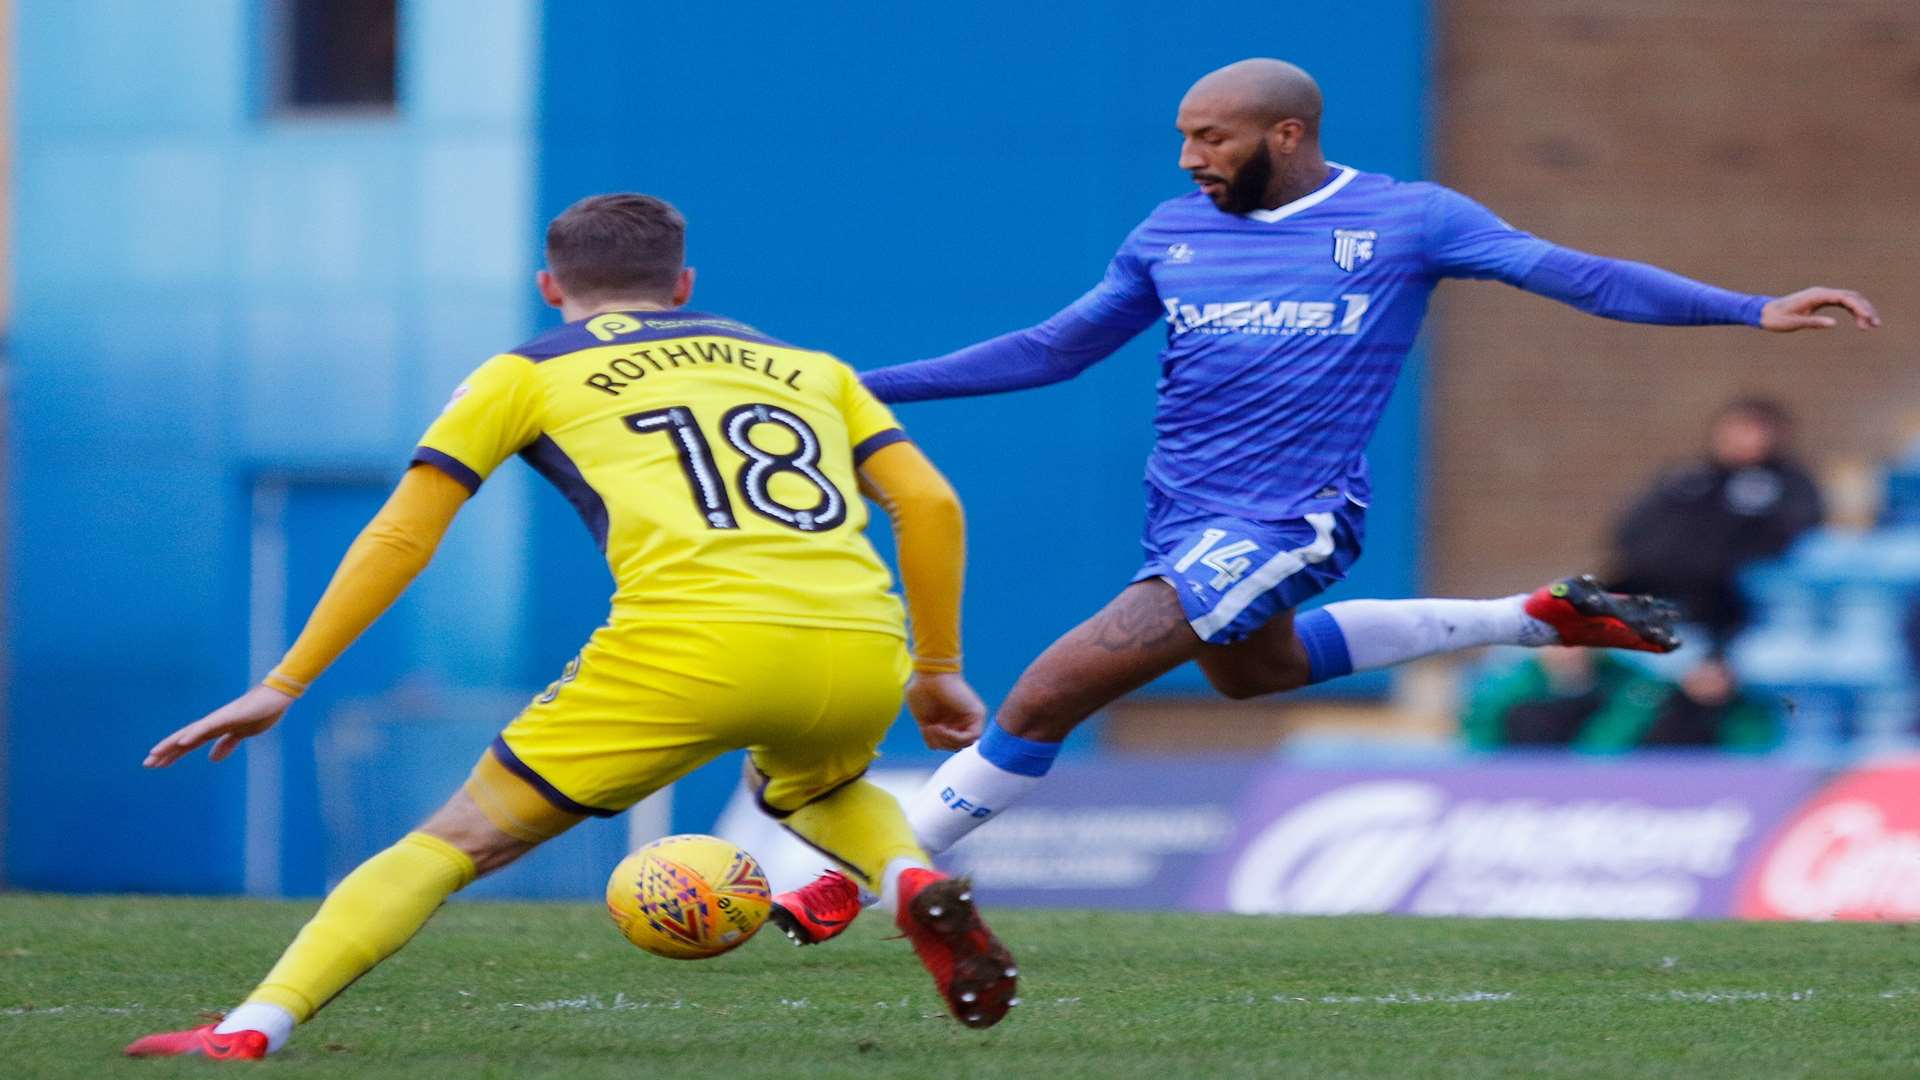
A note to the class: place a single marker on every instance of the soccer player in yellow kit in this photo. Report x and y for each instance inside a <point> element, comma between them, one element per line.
<point>721,472</point>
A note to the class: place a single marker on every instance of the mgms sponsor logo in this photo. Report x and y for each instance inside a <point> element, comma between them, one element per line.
<point>1273,317</point>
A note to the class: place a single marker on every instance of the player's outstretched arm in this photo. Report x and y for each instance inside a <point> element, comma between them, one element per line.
<point>1467,240</point>
<point>1637,292</point>
<point>929,531</point>
<point>1082,334</point>
<point>394,547</point>
<point>1799,310</point>
<point>1054,351</point>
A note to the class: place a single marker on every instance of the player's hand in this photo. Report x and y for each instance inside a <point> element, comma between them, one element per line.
<point>242,718</point>
<point>1795,311</point>
<point>949,713</point>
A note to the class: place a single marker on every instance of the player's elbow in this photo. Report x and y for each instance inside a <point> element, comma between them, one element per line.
<point>912,491</point>
<point>934,508</point>
<point>399,546</point>
<point>1573,278</point>
<point>1063,364</point>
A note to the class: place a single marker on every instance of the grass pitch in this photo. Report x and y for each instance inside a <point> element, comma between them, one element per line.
<point>499,990</point>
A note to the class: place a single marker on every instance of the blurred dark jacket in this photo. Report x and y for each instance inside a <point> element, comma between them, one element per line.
<point>1620,707</point>
<point>1688,537</point>
<point>1525,705</point>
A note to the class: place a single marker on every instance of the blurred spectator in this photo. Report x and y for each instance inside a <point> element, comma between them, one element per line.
<point>1687,537</point>
<point>1554,695</point>
<point>1708,708</point>
<point>1598,702</point>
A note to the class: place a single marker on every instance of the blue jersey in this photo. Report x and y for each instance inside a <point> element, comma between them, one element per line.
<point>1287,328</point>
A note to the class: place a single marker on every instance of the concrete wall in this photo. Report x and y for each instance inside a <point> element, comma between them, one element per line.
<point>1761,144</point>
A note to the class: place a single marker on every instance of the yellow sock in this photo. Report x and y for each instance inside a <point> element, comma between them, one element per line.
<point>364,920</point>
<point>862,828</point>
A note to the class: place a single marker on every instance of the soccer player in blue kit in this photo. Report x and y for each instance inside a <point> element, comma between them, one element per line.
<point>1292,289</point>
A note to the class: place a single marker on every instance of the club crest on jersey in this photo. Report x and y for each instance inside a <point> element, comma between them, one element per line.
<point>1180,253</point>
<point>1351,247</point>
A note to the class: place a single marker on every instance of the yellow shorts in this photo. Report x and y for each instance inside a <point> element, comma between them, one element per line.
<point>645,703</point>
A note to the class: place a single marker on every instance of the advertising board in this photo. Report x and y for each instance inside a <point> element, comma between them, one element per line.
<point>1561,839</point>
<point>1852,851</point>
<point>1119,833</point>
<point>1644,838</point>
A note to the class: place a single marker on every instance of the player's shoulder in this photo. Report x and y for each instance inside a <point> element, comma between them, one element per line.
<point>1428,195</point>
<point>1391,189</point>
<point>1433,208</point>
<point>1180,208</point>
<point>495,374</point>
<point>847,375</point>
<point>637,327</point>
<point>1171,220</point>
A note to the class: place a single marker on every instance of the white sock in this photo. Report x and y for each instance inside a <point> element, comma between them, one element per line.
<point>964,794</point>
<point>1381,633</point>
<point>889,898</point>
<point>272,1021</point>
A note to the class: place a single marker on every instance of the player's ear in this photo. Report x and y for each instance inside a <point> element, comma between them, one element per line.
<point>549,288</point>
<point>1287,135</point>
<point>683,286</point>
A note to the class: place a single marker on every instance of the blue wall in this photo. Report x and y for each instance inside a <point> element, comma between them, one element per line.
<point>208,294</point>
<point>211,298</point>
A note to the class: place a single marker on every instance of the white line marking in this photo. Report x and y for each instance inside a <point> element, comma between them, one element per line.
<point>1719,996</point>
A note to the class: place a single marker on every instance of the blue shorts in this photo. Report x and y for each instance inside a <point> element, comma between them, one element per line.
<point>1234,574</point>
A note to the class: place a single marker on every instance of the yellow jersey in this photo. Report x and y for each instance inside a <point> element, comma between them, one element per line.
<point>715,466</point>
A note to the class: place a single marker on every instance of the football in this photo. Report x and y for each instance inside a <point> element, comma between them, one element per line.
<point>688,897</point>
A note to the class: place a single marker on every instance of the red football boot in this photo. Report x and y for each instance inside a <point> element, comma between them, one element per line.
<point>975,973</point>
<point>821,909</point>
<point>1583,613</point>
<point>234,1046</point>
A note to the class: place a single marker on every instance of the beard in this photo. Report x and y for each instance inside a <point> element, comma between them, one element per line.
<point>1248,188</point>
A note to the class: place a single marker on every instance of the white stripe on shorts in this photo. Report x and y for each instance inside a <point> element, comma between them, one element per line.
<point>1271,573</point>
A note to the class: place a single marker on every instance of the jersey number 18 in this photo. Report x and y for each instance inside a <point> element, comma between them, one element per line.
<point>755,477</point>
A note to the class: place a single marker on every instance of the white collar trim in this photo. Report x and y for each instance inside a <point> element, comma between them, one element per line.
<point>1311,199</point>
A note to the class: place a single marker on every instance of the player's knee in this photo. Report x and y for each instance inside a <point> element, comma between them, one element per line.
<point>462,824</point>
<point>1268,664</point>
<point>489,848</point>
<point>1240,684</point>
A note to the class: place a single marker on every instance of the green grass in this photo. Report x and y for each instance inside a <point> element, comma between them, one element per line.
<point>551,990</point>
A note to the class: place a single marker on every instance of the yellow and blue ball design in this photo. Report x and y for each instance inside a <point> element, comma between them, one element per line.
<point>688,897</point>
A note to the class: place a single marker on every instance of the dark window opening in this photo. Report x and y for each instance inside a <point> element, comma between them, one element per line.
<point>338,54</point>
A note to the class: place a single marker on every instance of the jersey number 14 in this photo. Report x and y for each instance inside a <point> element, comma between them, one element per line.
<point>1229,560</point>
<point>755,477</point>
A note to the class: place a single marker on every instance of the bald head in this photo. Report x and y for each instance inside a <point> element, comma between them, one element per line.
<point>1251,135</point>
<point>1260,91</point>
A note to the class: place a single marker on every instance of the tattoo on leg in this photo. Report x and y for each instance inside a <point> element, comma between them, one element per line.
<point>1136,619</point>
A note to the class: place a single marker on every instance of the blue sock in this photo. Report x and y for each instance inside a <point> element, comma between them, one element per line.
<point>1023,757</point>
<point>1327,656</point>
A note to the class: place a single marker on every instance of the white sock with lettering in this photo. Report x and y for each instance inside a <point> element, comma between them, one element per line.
<point>1381,633</point>
<point>272,1021</point>
<point>964,794</point>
